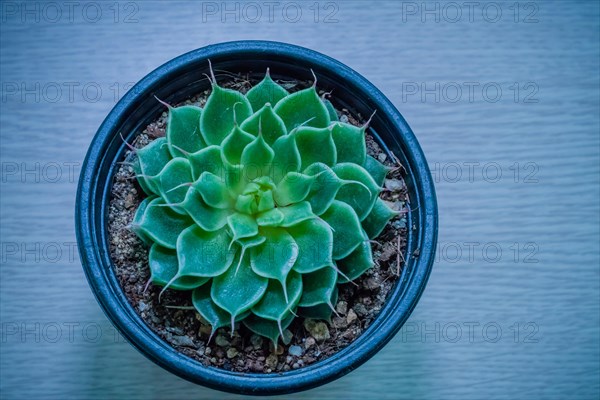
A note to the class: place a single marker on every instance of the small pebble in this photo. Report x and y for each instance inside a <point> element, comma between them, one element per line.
<point>372,283</point>
<point>339,322</point>
<point>399,223</point>
<point>271,361</point>
<point>256,341</point>
<point>182,341</point>
<point>318,330</point>
<point>309,342</point>
<point>382,157</point>
<point>360,309</point>
<point>295,351</point>
<point>394,184</point>
<point>296,366</point>
<point>342,307</point>
<point>351,317</point>
<point>222,341</point>
<point>232,352</point>
<point>207,351</point>
<point>256,366</point>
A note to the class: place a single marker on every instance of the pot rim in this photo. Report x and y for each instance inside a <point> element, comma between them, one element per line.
<point>95,258</point>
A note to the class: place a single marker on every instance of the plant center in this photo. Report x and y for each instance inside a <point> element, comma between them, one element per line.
<point>256,197</point>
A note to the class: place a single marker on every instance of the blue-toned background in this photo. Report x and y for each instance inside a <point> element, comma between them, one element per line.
<point>504,98</point>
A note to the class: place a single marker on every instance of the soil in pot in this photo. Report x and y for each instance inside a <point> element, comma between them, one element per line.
<point>175,320</point>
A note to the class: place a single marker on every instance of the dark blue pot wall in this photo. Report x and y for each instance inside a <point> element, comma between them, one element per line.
<point>177,80</point>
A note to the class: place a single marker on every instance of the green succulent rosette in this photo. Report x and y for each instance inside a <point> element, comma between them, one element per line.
<point>260,204</point>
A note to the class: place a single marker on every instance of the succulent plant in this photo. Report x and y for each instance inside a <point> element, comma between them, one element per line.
<point>261,204</point>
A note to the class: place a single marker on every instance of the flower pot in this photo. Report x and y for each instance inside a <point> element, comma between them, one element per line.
<point>177,80</point>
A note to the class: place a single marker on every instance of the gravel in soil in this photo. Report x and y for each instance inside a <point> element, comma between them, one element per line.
<point>173,317</point>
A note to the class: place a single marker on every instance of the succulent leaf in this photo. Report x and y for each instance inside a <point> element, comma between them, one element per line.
<point>256,158</point>
<point>183,130</point>
<point>320,311</point>
<point>377,219</point>
<point>324,189</point>
<point>315,146</point>
<point>315,238</point>
<point>360,197</point>
<point>260,205</point>
<point>213,314</point>
<point>267,123</point>
<point>353,266</point>
<point>238,289</point>
<point>206,217</point>
<point>164,266</point>
<point>242,226</point>
<point>266,91</point>
<point>203,254</point>
<point>161,224</point>
<point>317,287</point>
<point>274,306</point>
<point>223,109</point>
<point>275,257</point>
<point>150,160</point>
<point>206,160</point>
<point>347,231</point>
<point>234,144</point>
<point>213,190</point>
<point>267,328</point>
<point>350,143</point>
<point>331,110</point>
<point>293,188</point>
<point>376,169</point>
<point>172,182</point>
<point>286,158</point>
<point>296,213</point>
<point>303,108</point>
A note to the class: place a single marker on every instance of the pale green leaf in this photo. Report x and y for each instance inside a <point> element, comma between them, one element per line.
<point>360,197</point>
<point>315,245</point>
<point>183,130</point>
<point>377,219</point>
<point>164,266</point>
<point>350,143</point>
<point>303,108</point>
<point>217,119</point>
<point>347,231</point>
<point>267,123</point>
<point>204,254</point>
<point>315,145</point>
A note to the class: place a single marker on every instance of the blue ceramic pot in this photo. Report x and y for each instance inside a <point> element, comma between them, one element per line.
<point>183,77</point>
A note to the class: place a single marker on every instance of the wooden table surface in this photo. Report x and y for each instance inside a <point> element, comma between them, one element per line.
<point>504,99</point>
